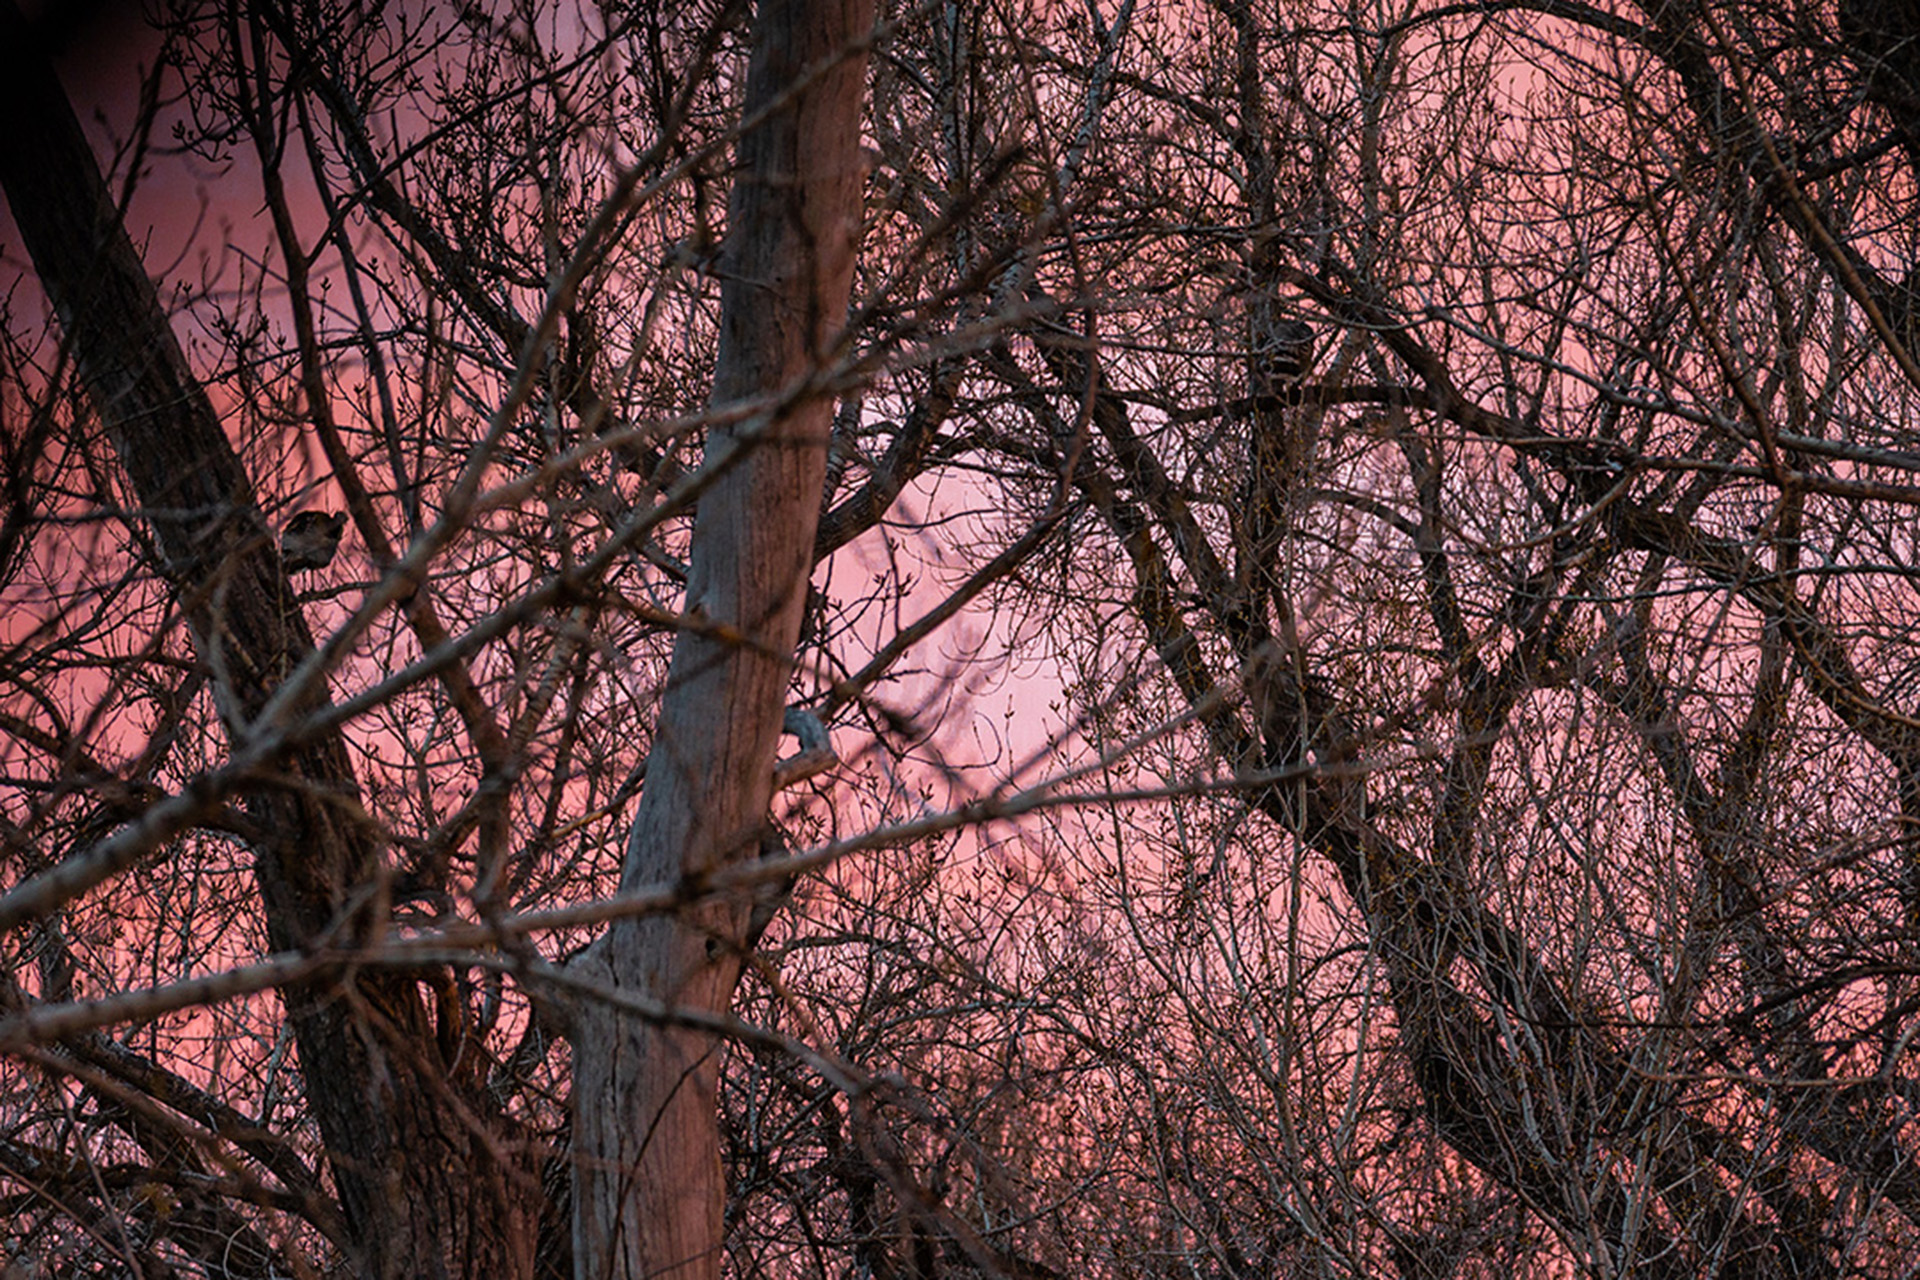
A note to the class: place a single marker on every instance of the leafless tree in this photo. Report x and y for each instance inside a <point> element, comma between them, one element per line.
<point>1430,484</point>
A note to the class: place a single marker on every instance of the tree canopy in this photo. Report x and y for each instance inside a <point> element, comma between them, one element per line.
<point>1203,640</point>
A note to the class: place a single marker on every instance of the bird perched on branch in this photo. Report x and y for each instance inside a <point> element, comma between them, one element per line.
<point>311,540</point>
<point>1282,350</point>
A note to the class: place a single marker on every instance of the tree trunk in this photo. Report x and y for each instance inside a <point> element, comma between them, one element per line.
<point>427,1185</point>
<point>649,1189</point>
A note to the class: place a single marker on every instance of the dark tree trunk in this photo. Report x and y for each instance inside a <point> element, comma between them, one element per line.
<point>429,1182</point>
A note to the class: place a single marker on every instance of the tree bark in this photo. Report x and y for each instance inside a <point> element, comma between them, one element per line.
<point>428,1185</point>
<point>649,1188</point>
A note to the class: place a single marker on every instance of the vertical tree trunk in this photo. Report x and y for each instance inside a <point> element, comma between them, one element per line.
<point>649,1189</point>
<point>427,1185</point>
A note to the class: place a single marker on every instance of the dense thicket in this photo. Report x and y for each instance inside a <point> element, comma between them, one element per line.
<point>1364,595</point>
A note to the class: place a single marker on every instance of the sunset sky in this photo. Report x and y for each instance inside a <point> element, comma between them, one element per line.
<point>1354,559</point>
